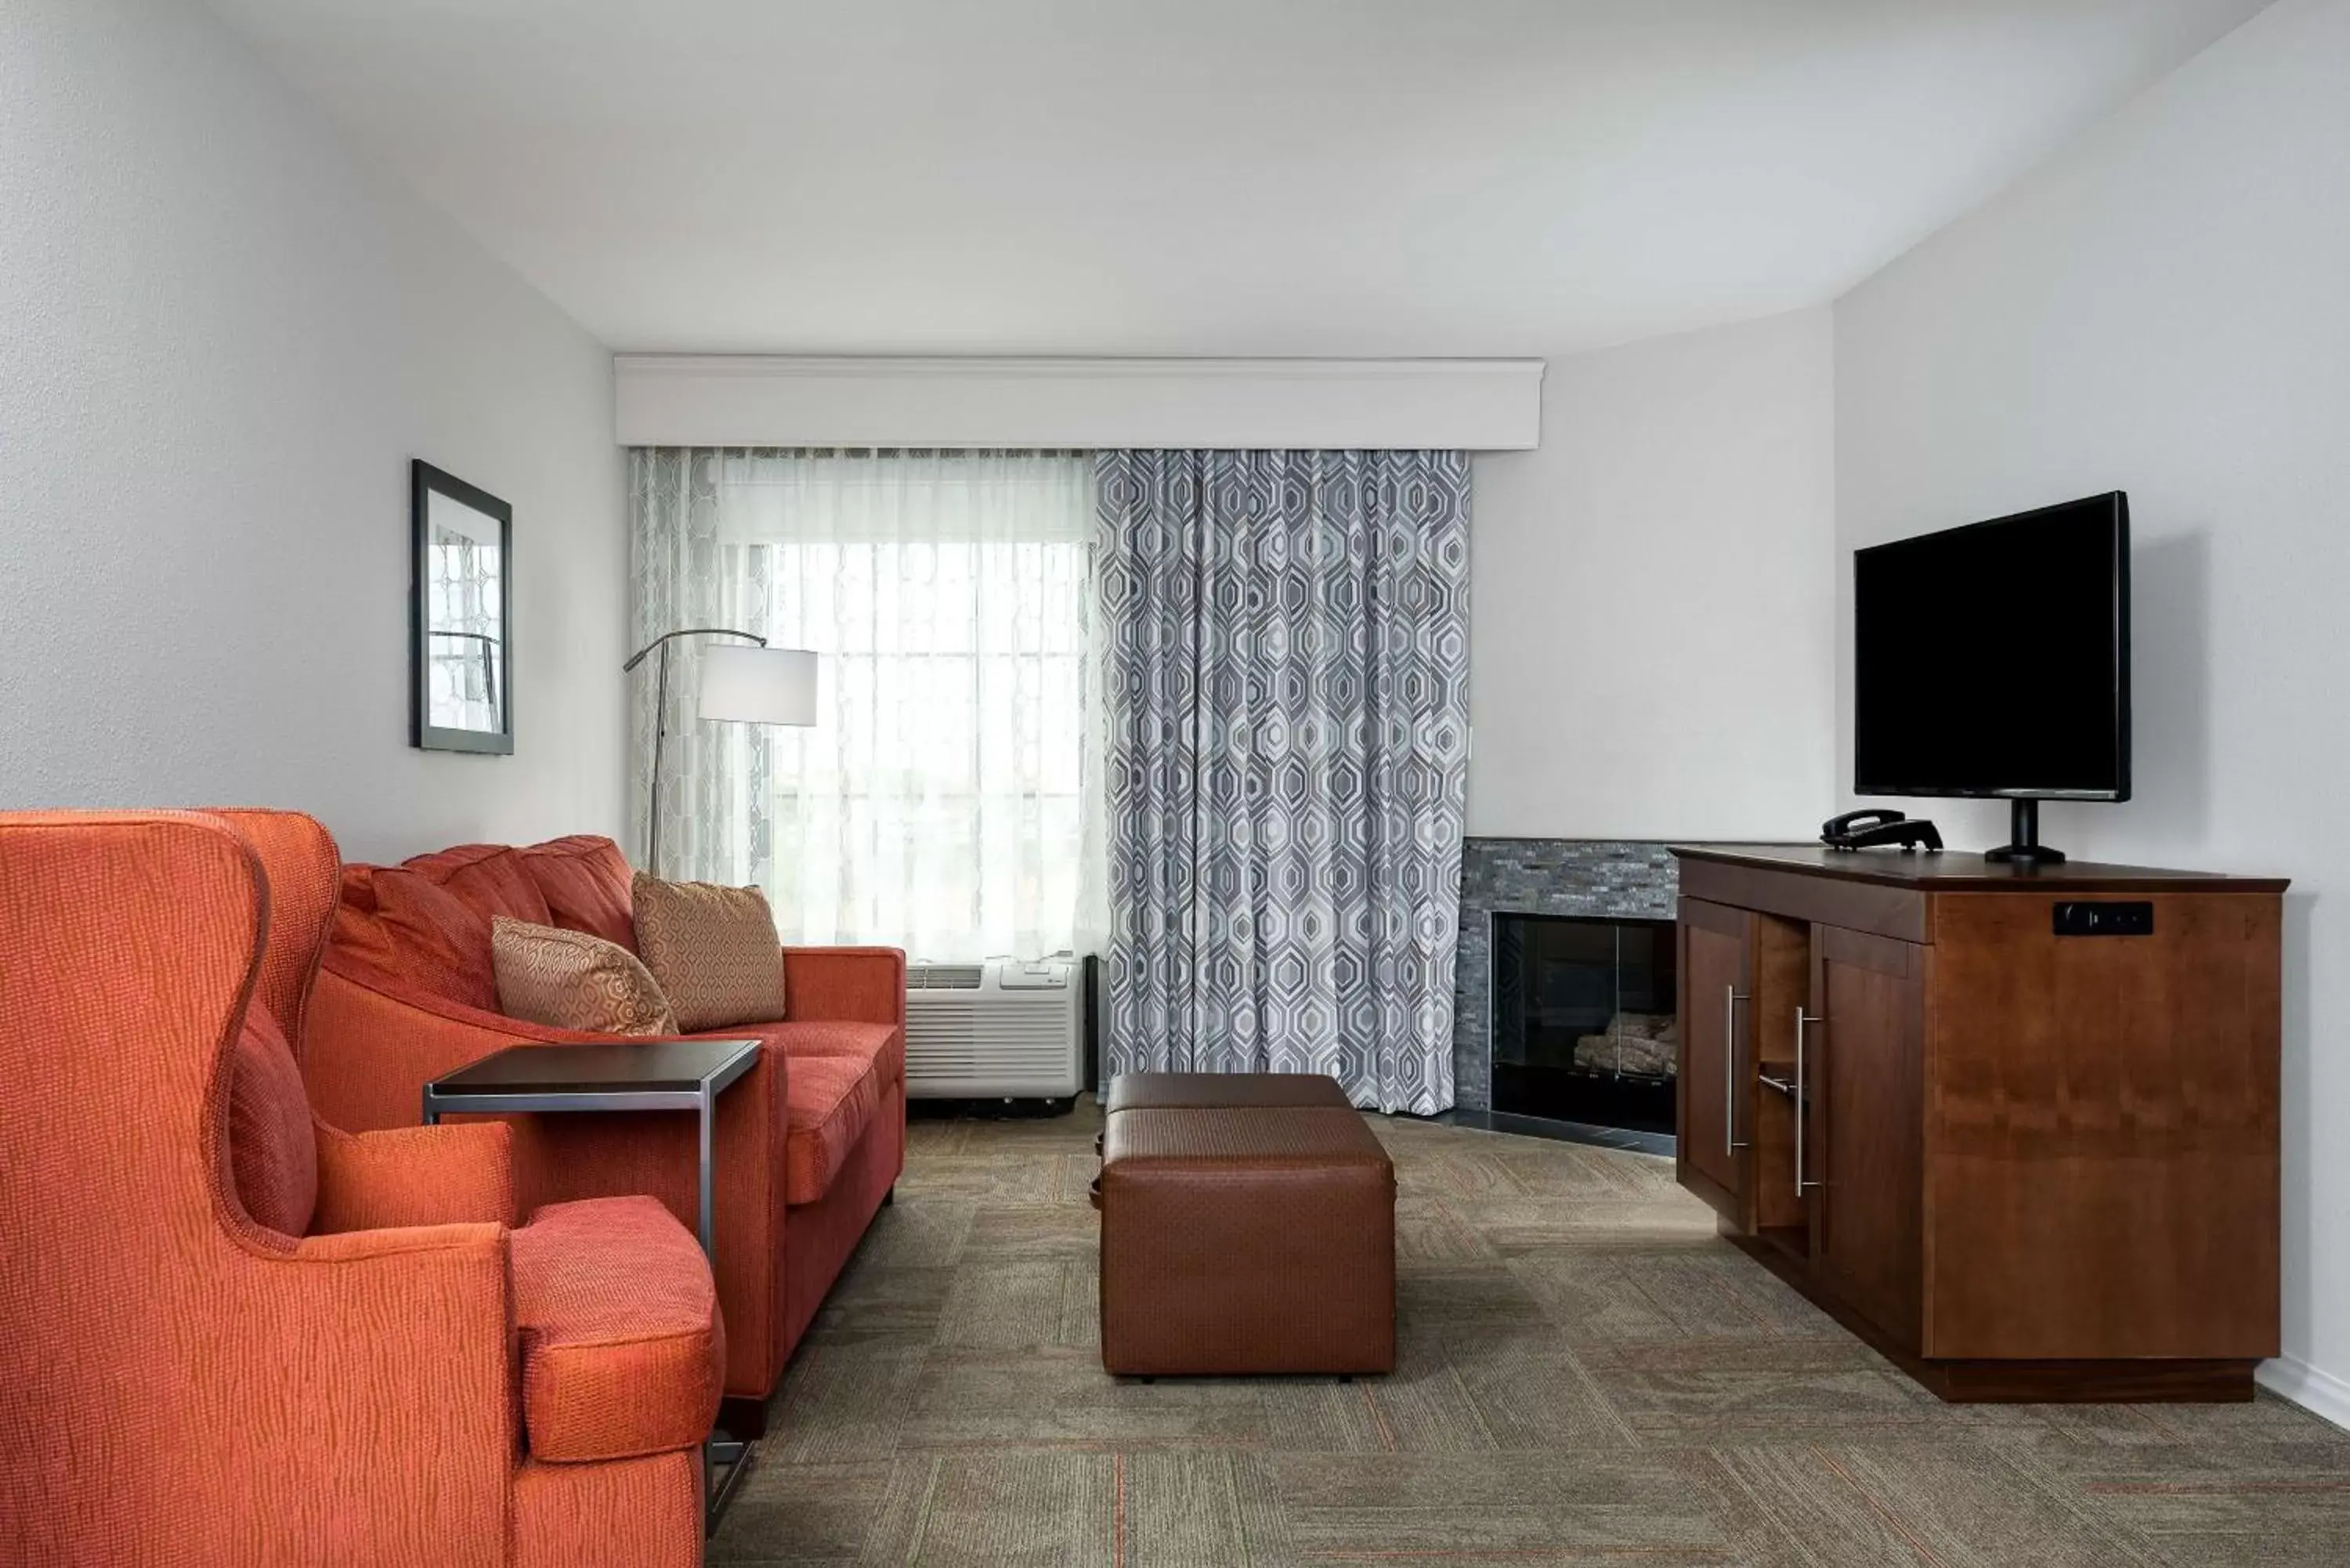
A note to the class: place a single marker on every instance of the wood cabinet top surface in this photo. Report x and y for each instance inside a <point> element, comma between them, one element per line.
<point>1949,871</point>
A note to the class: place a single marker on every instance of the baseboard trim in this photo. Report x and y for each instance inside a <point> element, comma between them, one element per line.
<point>2319,1392</point>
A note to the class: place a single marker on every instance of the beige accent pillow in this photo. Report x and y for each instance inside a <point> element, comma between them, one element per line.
<point>712,950</point>
<point>570,979</point>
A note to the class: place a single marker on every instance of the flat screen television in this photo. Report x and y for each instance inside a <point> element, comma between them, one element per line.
<point>1993,660</point>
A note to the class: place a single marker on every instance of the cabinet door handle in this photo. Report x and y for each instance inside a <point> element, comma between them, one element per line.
<point>1803,1102</point>
<point>1729,1001</point>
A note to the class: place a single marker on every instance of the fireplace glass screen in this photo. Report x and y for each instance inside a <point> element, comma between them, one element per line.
<point>1584,1027</point>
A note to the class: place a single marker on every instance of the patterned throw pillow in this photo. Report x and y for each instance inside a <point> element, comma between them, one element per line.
<point>570,979</point>
<point>713,951</point>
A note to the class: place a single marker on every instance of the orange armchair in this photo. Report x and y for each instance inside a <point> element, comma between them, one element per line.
<point>180,1382</point>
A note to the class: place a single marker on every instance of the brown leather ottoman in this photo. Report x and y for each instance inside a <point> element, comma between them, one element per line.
<point>1192,1091</point>
<point>1247,1238</point>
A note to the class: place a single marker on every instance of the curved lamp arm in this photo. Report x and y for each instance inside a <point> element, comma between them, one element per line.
<point>661,716</point>
<point>641,654</point>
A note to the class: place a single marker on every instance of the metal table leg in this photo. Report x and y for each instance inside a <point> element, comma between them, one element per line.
<point>717,1489</point>
<point>724,1461</point>
<point>709,1115</point>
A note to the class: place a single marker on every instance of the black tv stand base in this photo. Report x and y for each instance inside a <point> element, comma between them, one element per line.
<point>2024,847</point>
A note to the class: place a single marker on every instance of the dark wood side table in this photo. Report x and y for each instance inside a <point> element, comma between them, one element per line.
<point>648,1075</point>
<point>656,1076</point>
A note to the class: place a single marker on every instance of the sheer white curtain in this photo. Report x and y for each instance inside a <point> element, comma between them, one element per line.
<point>945,801</point>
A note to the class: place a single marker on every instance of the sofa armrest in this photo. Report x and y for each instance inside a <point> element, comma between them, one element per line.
<point>398,1177</point>
<point>516,1031</point>
<point>368,1050</point>
<point>845,985</point>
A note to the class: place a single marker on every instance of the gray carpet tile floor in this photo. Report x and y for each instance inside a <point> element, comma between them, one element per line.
<point>1587,1374</point>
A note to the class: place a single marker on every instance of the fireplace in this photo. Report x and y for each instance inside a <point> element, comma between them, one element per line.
<point>1583,1023</point>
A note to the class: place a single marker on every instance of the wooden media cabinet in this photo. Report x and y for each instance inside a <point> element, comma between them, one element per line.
<point>2014,1125</point>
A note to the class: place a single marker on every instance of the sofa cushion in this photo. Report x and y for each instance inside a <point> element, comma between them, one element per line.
<point>414,934</point>
<point>570,979</point>
<point>712,948</point>
<point>828,1102</point>
<point>883,1044</point>
<point>273,1152</point>
<point>585,881</point>
<point>622,1350</point>
<point>424,924</point>
<point>492,878</point>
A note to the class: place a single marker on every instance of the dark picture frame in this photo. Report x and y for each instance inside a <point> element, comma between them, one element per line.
<point>470,668</point>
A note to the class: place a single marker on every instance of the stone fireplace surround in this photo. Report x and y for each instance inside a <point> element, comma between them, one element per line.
<point>1605,878</point>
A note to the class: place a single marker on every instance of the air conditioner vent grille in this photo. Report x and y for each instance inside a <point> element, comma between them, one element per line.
<point>967,1034</point>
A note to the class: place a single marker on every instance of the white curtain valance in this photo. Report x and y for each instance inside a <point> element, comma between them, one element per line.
<point>769,401</point>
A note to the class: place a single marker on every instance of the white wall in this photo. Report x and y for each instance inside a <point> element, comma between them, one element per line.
<point>2165,308</point>
<point>222,338</point>
<point>1651,628</point>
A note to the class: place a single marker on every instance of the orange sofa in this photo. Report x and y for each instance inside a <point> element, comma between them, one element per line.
<point>232,1334</point>
<point>809,1143</point>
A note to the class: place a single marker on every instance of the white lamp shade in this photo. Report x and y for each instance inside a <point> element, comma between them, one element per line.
<point>758,685</point>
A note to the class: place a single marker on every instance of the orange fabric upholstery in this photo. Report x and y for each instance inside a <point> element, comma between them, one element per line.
<point>830,1102</point>
<point>491,879</point>
<point>271,1151</point>
<point>178,1383</point>
<point>373,1044</point>
<point>853,985</point>
<point>298,875</point>
<point>414,1176</point>
<point>427,921</point>
<point>409,929</point>
<point>825,1233</point>
<point>585,881</point>
<point>371,1051</point>
<point>622,1351</point>
<point>194,1399</point>
<point>387,1019</point>
<point>880,1044</point>
<point>630,1513</point>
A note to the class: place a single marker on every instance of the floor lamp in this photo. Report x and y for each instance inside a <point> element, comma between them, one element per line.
<point>755,685</point>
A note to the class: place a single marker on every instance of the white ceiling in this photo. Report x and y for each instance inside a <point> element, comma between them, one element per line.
<point>1331,177</point>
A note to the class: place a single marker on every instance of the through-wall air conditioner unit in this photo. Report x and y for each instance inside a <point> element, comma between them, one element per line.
<point>1008,1028</point>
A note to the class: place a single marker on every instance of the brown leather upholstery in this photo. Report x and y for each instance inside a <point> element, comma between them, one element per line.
<point>1180,1091</point>
<point>1192,1091</point>
<point>1246,1238</point>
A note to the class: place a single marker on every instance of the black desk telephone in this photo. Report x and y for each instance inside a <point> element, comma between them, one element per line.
<point>1867,829</point>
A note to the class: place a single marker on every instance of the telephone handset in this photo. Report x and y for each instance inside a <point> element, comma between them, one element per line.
<point>1867,829</point>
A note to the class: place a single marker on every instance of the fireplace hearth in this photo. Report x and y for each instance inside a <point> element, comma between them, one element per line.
<point>1583,1024</point>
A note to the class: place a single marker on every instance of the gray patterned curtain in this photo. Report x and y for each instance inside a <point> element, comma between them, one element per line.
<point>1287,727</point>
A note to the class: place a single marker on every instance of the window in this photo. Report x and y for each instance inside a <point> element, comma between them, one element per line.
<point>941,803</point>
